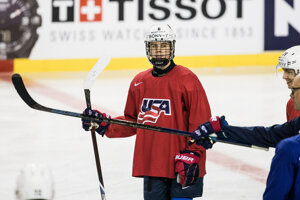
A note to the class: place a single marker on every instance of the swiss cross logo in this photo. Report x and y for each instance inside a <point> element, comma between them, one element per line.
<point>90,10</point>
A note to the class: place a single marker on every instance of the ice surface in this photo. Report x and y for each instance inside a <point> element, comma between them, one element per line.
<point>27,135</point>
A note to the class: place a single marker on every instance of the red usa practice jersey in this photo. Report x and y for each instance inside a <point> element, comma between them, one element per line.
<point>291,113</point>
<point>176,100</point>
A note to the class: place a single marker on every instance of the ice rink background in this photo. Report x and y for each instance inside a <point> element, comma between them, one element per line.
<point>31,136</point>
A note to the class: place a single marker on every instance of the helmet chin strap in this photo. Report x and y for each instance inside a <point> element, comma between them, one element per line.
<point>159,62</point>
<point>157,72</point>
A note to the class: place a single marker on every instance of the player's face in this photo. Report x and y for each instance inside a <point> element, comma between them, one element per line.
<point>288,76</point>
<point>160,50</point>
<point>295,94</point>
<point>296,97</point>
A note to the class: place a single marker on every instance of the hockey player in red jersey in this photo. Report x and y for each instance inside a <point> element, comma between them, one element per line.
<point>291,69</point>
<point>171,96</point>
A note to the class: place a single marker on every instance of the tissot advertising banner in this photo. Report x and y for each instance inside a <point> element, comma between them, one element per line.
<point>55,29</point>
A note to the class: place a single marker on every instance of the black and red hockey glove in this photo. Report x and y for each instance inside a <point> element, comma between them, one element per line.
<point>99,127</point>
<point>206,143</point>
<point>186,167</point>
<point>214,125</point>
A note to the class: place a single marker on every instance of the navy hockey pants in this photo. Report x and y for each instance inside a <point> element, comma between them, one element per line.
<point>156,188</point>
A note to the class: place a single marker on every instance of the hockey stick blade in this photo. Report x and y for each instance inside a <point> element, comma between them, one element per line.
<point>95,71</point>
<point>20,87</point>
<point>23,93</point>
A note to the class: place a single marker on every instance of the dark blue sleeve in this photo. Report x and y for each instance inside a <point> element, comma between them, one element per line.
<point>263,136</point>
<point>281,177</point>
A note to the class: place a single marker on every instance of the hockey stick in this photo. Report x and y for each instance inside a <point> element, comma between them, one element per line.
<point>92,75</point>
<point>20,87</point>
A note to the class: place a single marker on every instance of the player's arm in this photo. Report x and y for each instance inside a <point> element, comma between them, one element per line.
<point>199,109</point>
<point>266,136</point>
<point>113,130</point>
<point>256,135</point>
<point>189,162</point>
<point>130,114</point>
<point>259,135</point>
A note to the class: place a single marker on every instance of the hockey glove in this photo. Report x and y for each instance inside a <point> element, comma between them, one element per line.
<point>206,142</point>
<point>186,167</point>
<point>214,125</point>
<point>99,127</point>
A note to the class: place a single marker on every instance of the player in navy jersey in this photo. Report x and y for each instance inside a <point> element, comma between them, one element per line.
<point>284,178</point>
<point>167,95</point>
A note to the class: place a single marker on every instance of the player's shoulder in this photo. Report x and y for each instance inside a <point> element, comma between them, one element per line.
<point>188,79</point>
<point>289,148</point>
<point>140,77</point>
<point>183,69</point>
<point>185,72</point>
<point>290,103</point>
<point>289,144</point>
<point>143,74</point>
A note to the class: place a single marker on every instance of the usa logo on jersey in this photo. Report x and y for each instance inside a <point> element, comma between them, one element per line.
<point>151,109</point>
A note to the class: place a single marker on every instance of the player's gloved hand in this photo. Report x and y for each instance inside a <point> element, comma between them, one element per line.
<point>206,142</point>
<point>99,127</point>
<point>214,125</point>
<point>186,167</point>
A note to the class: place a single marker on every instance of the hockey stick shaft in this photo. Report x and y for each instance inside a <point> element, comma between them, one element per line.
<point>20,87</point>
<point>92,75</point>
<point>95,147</point>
